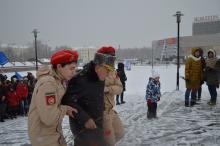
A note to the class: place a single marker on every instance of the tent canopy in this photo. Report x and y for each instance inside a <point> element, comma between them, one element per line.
<point>3,59</point>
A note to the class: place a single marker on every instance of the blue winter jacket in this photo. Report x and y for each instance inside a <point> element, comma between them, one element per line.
<point>153,90</point>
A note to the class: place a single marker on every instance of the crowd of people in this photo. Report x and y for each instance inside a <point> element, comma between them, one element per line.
<point>15,95</point>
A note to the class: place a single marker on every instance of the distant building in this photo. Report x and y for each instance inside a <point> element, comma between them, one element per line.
<point>86,54</point>
<point>206,25</point>
<point>206,34</point>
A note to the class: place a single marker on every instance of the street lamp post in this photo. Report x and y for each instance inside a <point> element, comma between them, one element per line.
<point>178,20</point>
<point>152,58</point>
<point>35,32</point>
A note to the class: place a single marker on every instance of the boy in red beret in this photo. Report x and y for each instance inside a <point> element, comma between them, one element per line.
<point>86,92</point>
<point>46,112</point>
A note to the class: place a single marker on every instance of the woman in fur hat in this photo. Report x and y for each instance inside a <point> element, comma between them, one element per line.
<point>193,76</point>
<point>211,76</point>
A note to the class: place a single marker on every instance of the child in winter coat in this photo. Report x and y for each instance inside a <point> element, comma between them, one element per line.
<point>153,95</point>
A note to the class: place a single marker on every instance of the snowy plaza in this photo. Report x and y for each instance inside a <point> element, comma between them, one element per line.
<point>176,124</point>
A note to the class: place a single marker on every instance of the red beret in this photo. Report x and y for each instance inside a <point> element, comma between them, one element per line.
<point>107,50</point>
<point>64,56</point>
<point>106,57</point>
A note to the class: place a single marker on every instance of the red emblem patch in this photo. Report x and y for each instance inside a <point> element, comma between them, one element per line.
<point>107,133</point>
<point>50,99</point>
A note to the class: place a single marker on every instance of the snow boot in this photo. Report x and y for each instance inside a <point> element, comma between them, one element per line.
<point>117,100</point>
<point>122,102</point>
<point>117,103</point>
<point>149,115</point>
<point>192,103</point>
<point>186,103</point>
<point>2,119</point>
<point>211,103</point>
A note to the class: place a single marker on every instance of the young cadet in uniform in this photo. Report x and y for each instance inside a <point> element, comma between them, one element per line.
<point>46,113</point>
<point>86,93</point>
<point>112,125</point>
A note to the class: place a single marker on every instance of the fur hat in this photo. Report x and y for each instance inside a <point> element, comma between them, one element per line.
<point>64,56</point>
<point>105,56</point>
<point>193,51</point>
<point>212,51</point>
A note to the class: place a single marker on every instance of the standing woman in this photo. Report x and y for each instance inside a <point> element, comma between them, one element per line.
<point>211,76</point>
<point>123,78</point>
<point>46,113</point>
<point>193,76</point>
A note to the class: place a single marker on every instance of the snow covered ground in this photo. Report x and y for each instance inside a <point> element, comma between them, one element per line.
<point>176,125</point>
<point>27,63</point>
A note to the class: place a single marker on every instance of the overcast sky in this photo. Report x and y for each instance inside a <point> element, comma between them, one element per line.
<point>130,23</point>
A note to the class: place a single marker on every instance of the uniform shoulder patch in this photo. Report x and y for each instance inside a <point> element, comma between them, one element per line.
<point>50,98</point>
<point>107,133</point>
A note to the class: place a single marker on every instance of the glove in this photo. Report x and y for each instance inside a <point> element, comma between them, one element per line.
<point>158,98</point>
<point>209,68</point>
<point>202,82</point>
<point>149,101</point>
<point>187,80</point>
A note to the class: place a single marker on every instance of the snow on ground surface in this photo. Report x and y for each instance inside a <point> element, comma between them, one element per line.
<point>26,63</point>
<point>176,125</point>
<point>8,65</point>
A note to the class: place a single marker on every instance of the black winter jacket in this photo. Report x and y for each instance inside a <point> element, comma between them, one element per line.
<point>122,76</point>
<point>85,92</point>
<point>2,93</point>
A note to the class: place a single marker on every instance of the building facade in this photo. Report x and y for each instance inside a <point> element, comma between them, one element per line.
<point>206,35</point>
<point>86,54</point>
<point>206,25</point>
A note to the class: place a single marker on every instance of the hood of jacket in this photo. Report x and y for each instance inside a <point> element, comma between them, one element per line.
<point>213,51</point>
<point>194,58</point>
<point>47,70</point>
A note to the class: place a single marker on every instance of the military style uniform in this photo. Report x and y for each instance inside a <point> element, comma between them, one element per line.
<point>45,113</point>
<point>112,125</point>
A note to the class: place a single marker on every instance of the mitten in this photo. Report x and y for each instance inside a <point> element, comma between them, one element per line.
<point>149,101</point>
<point>187,80</point>
<point>201,82</point>
<point>209,68</point>
<point>158,98</point>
